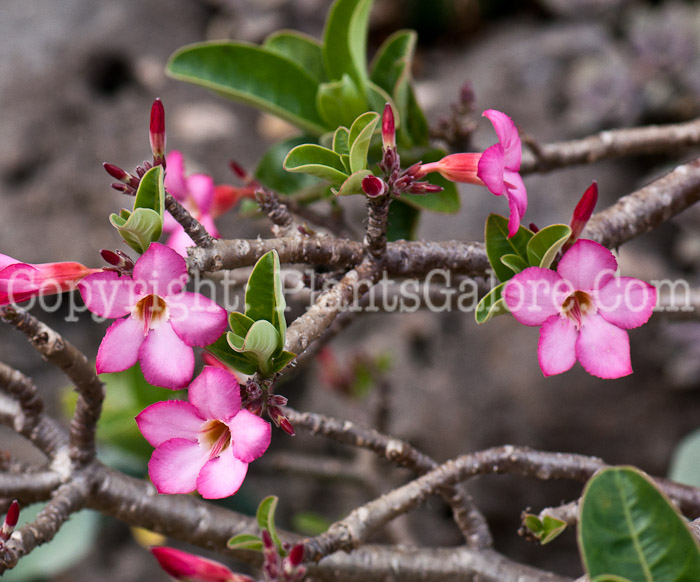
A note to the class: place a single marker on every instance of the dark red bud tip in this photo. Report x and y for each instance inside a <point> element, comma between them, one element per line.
<point>388,128</point>
<point>534,227</point>
<point>116,172</point>
<point>156,132</point>
<point>373,186</point>
<point>286,426</point>
<point>267,539</point>
<point>296,555</point>
<point>12,514</point>
<point>239,170</point>
<point>585,206</point>
<point>110,257</point>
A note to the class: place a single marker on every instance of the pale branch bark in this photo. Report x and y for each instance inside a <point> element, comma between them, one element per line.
<point>468,518</point>
<point>334,222</point>
<point>76,367</point>
<point>409,564</point>
<point>279,214</point>
<point>647,208</point>
<point>23,390</point>
<point>192,226</point>
<point>29,487</point>
<point>66,499</point>
<point>377,218</point>
<point>615,143</point>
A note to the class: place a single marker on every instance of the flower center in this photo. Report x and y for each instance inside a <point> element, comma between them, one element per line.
<point>215,436</point>
<point>577,306</point>
<point>151,309</point>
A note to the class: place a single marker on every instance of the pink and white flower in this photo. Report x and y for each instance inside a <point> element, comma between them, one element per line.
<point>497,167</point>
<point>162,321</point>
<point>206,443</point>
<point>21,281</point>
<point>583,309</point>
<point>185,567</point>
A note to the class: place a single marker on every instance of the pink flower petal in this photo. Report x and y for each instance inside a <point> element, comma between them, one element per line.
<point>119,349</point>
<point>222,476</point>
<point>109,295</point>
<point>175,182</point>
<point>507,136</point>
<point>515,216</point>
<point>626,302</point>
<point>162,270</point>
<point>175,465</point>
<point>534,295</point>
<point>216,394</point>
<point>165,359</point>
<point>198,321</point>
<point>19,278</point>
<point>587,265</point>
<point>6,260</point>
<point>179,240</point>
<point>169,419</point>
<point>200,187</point>
<point>515,190</point>
<point>491,167</point>
<point>556,350</point>
<point>603,348</point>
<point>250,435</point>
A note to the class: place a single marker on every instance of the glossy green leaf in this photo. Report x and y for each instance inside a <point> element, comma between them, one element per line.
<point>340,101</point>
<point>353,184</point>
<point>301,48</point>
<point>240,324</point>
<point>361,133</point>
<point>265,517</point>
<point>262,341</point>
<point>281,361</point>
<point>341,141</point>
<point>685,462</point>
<point>543,247</point>
<point>254,75</point>
<point>271,173</point>
<point>403,221</point>
<point>545,529</point>
<point>610,578</point>
<point>245,542</point>
<point>498,244</point>
<point>514,262</point>
<point>628,528</point>
<point>491,305</point>
<point>151,191</point>
<point>263,295</point>
<point>345,41</point>
<point>222,351</point>
<point>316,160</point>
<point>143,227</point>
<point>392,58</point>
<point>416,124</point>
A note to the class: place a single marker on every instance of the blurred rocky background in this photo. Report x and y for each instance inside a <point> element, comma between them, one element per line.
<point>77,78</point>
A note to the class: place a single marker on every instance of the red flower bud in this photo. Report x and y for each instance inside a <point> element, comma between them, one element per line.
<point>156,132</point>
<point>582,213</point>
<point>374,187</point>
<point>388,128</point>
<point>10,521</point>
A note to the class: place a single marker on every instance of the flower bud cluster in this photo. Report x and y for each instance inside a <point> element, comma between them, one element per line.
<point>277,569</point>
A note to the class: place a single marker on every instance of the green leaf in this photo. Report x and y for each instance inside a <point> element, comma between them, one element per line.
<point>341,141</point>
<point>339,102</point>
<point>151,191</point>
<point>546,529</point>
<point>514,262</point>
<point>360,137</point>
<point>240,324</point>
<point>143,227</point>
<point>416,124</point>
<point>392,58</point>
<point>266,519</point>
<point>685,463</point>
<point>221,350</point>
<point>491,305</point>
<point>271,173</point>
<point>301,48</point>
<point>345,41</point>
<point>262,341</point>
<point>316,160</point>
<point>543,247</point>
<point>353,184</point>
<point>610,578</point>
<point>263,295</point>
<point>245,542</point>
<point>498,244</point>
<point>253,75</point>
<point>281,361</point>
<point>403,221</point>
<point>628,528</point>
<point>377,98</point>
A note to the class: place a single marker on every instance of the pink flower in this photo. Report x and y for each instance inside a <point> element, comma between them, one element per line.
<point>497,168</point>
<point>186,567</point>
<point>206,443</point>
<point>583,310</point>
<point>22,281</point>
<point>162,323</point>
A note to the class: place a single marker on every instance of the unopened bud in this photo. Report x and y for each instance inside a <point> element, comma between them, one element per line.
<point>296,555</point>
<point>583,211</point>
<point>121,175</point>
<point>423,188</point>
<point>280,420</point>
<point>374,187</point>
<point>117,259</point>
<point>388,128</point>
<point>10,521</point>
<point>156,133</point>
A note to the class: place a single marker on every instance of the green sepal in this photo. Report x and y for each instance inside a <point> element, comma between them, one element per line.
<point>221,350</point>
<point>545,529</point>
<point>353,184</point>
<point>339,102</point>
<point>498,244</point>
<point>245,542</point>
<point>140,229</point>
<point>265,517</point>
<point>264,299</point>
<point>514,262</point>
<point>361,133</point>
<point>254,75</point>
<point>316,160</point>
<point>491,305</point>
<point>628,528</point>
<point>543,247</point>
